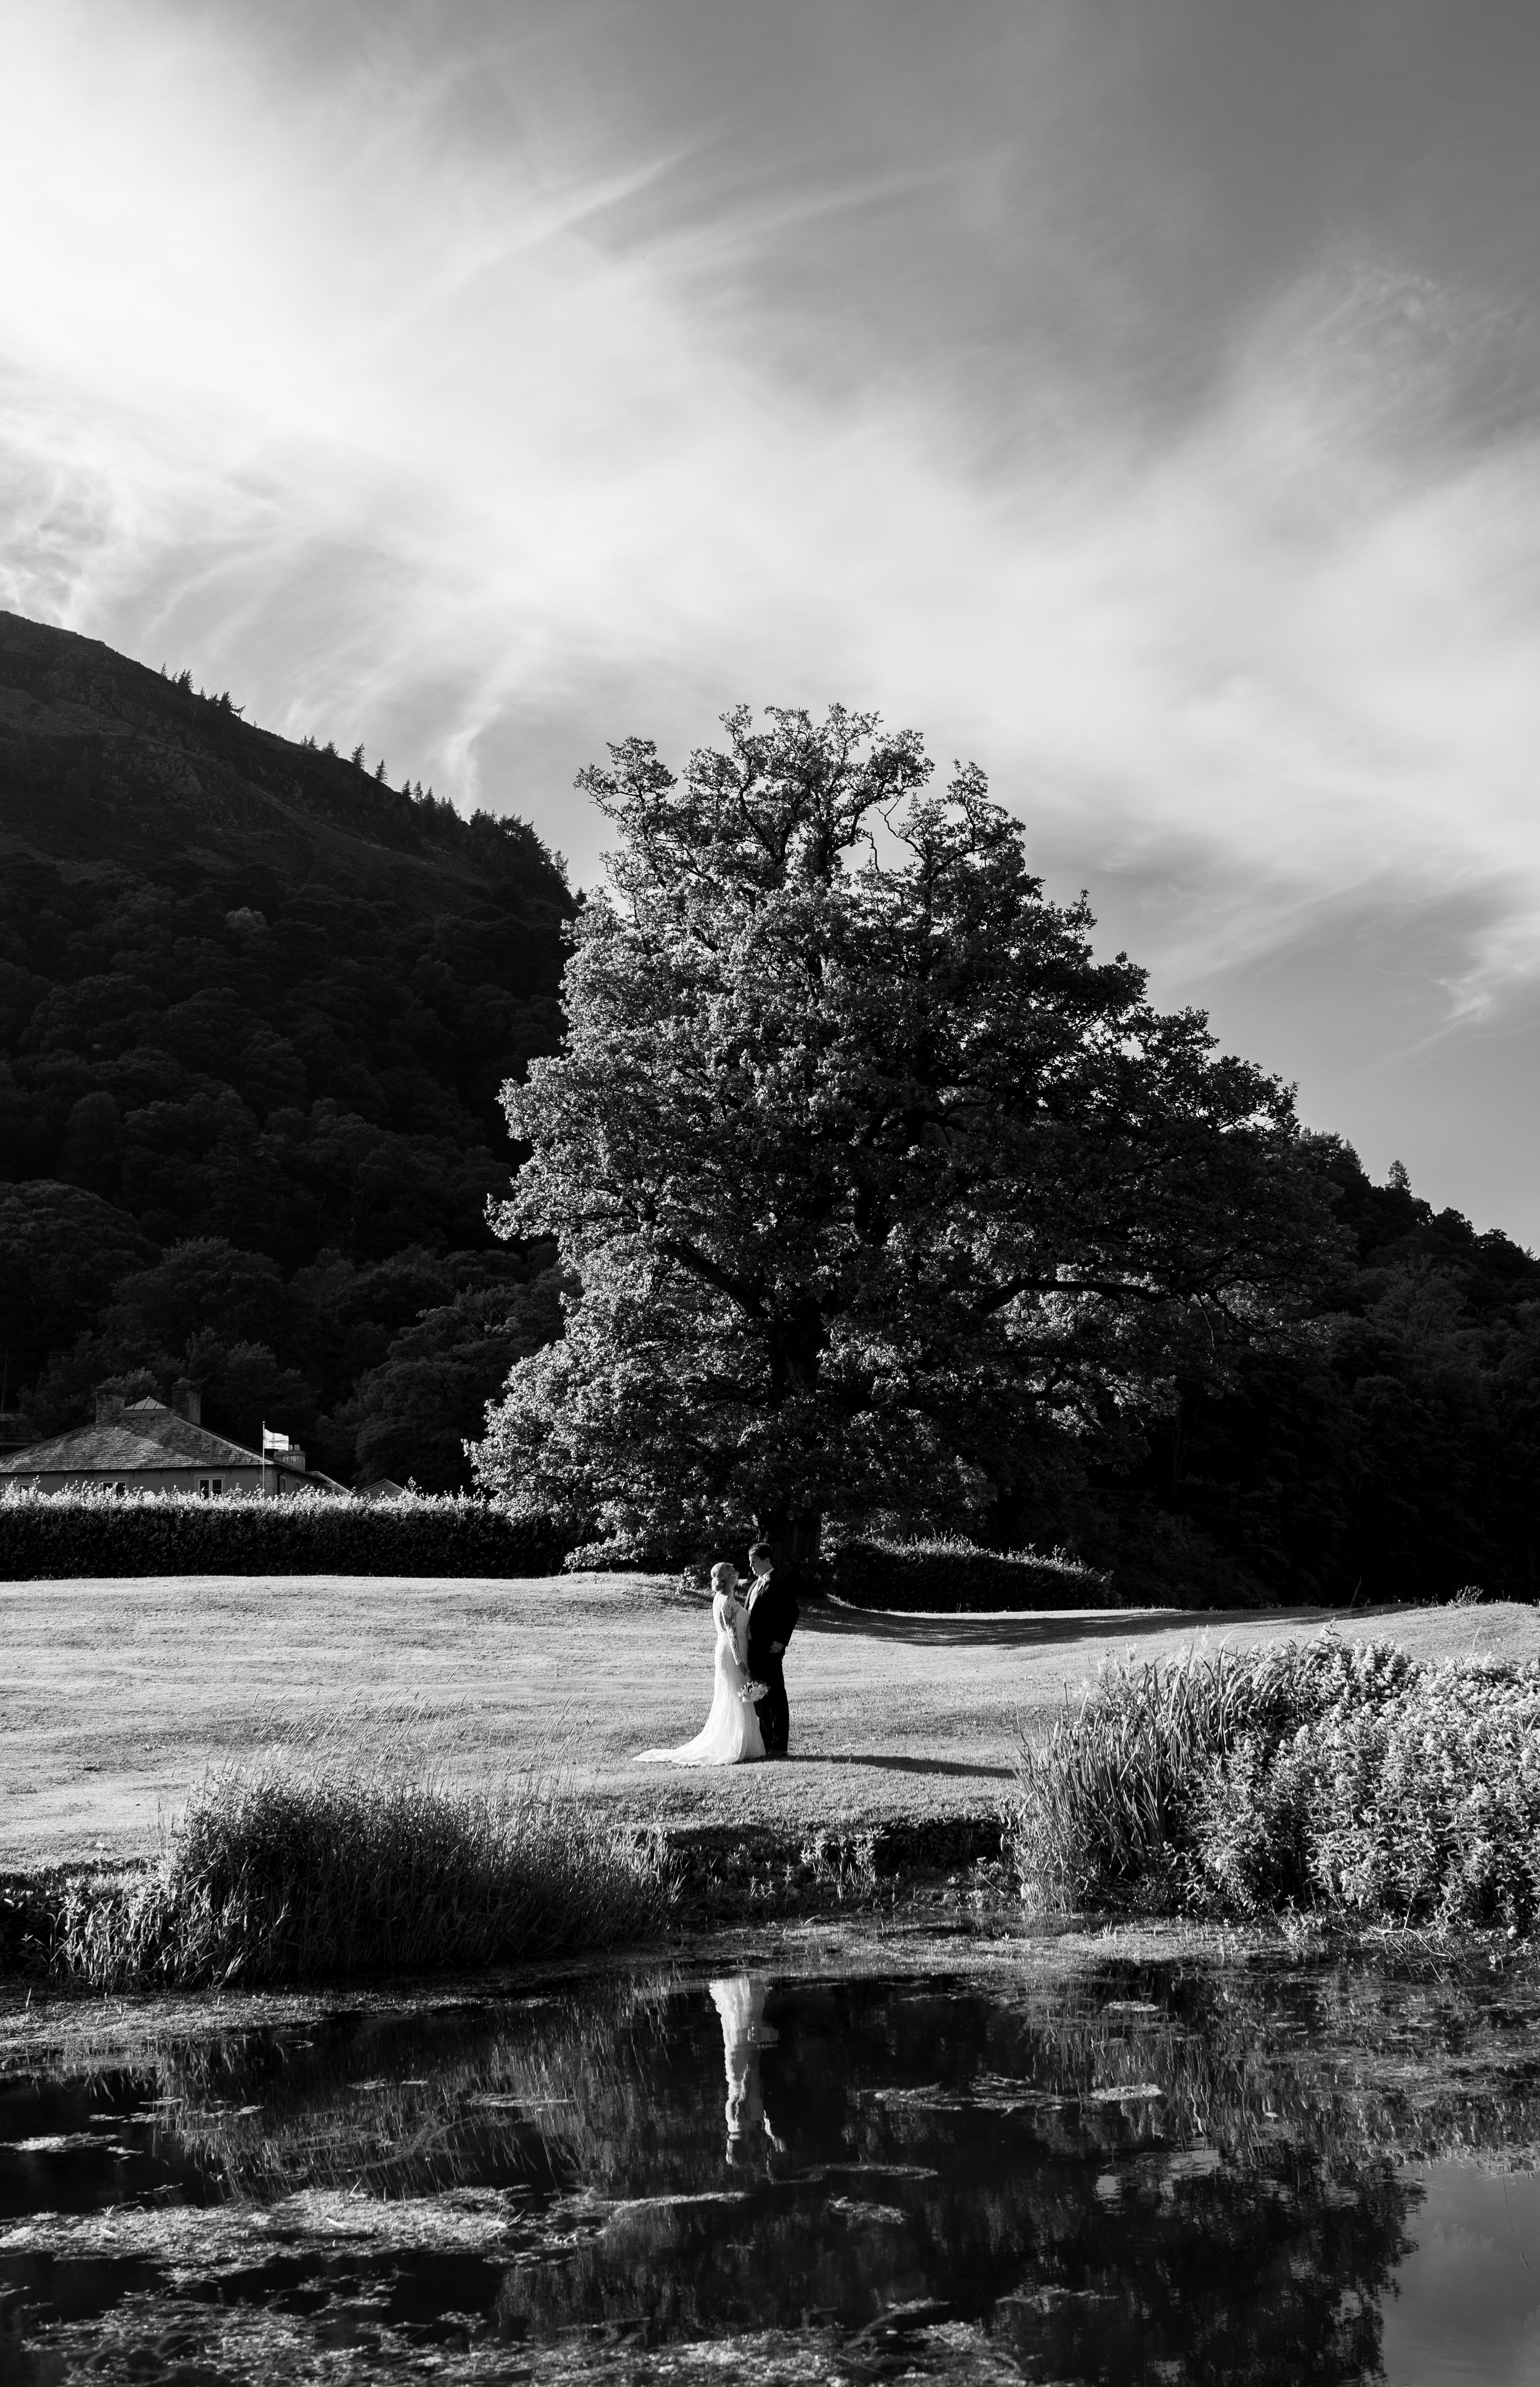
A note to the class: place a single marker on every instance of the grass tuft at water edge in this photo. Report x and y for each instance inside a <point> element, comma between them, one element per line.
<point>279,1874</point>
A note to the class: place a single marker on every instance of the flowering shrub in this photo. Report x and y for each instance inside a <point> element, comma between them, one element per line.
<point>1342,1778</point>
<point>101,1532</point>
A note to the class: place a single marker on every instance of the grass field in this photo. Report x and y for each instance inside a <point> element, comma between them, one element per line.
<point>116,1695</point>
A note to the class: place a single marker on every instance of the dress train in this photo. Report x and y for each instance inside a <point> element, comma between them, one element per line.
<point>730,1735</point>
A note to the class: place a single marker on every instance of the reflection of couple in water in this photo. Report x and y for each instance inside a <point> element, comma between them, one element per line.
<point>740,2003</point>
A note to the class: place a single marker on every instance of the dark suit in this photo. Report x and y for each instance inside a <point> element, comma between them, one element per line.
<point>773,1613</point>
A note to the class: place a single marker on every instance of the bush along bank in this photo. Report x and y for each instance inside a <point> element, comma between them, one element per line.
<point>953,1575</point>
<point>1349,1781</point>
<point>101,1532</point>
<point>275,1877</point>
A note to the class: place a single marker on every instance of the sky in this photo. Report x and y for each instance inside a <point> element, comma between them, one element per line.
<point>1139,398</point>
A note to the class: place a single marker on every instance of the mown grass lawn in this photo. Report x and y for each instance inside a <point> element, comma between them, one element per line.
<point>116,1695</point>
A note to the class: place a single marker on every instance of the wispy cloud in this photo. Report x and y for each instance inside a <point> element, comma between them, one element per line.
<point>440,437</point>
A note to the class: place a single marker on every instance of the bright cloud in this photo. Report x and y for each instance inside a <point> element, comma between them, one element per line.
<point>383,423</point>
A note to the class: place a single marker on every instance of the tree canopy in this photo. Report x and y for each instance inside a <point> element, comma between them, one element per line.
<point>879,1185</point>
<point>254,1007</point>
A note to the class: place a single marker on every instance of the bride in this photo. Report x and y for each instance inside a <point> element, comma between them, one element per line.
<point>730,1735</point>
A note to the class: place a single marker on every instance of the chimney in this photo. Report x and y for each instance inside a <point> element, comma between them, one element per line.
<point>110,1407</point>
<point>187,1401</point>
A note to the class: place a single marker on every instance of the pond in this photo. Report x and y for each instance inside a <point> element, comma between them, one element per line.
<point>1163,2172</point>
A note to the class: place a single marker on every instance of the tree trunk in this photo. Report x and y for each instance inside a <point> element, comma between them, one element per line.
<point>793,1534</point>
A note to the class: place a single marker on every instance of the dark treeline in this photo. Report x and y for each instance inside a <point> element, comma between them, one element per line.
<point>1391,1453</point>
<point>254,1007</point>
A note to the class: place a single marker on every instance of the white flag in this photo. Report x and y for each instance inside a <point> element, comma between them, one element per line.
<point>271,1441</point>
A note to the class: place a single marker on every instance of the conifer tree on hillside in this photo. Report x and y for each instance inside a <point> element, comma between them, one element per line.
<point>874,1178</point>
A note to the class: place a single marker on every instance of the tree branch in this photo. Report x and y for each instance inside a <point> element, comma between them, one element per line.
<point>749,1299</point>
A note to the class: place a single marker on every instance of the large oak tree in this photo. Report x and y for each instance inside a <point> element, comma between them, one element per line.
<point>876,1181</point>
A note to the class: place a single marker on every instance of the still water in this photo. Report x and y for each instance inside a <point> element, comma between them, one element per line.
<point>1156,2174</point>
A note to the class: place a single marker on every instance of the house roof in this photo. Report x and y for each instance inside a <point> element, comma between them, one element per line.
<point>146,1435</point>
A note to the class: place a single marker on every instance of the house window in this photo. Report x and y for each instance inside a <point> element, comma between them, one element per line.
<point>203,1487</point>
<point>219,1486</point>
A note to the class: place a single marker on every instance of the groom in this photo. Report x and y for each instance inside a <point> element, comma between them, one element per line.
<point>773,1614</point>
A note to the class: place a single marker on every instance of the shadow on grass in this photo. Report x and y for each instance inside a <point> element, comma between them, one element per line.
<point>907,1764</point>
<point>1045,1629</point>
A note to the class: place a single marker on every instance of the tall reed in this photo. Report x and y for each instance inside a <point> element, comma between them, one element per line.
<point>1342,1778</point>
<point>1099,1814</point>
<point>288,1875</point>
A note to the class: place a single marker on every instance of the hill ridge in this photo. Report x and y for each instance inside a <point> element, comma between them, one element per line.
<point>84,731</point>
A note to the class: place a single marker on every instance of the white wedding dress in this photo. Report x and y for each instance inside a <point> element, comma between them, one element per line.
<point>730,1735</point>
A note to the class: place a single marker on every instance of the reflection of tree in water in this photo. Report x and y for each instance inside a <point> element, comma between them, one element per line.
<point>530,2092</point>
<point>1244,2223</point>
<point>928,2141</point>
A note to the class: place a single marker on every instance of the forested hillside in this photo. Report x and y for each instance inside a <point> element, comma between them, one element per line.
<point>254,1006</point>
<point>1391,1453</point>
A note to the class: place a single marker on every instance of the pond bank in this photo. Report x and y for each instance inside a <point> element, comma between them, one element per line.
<point>122,1695</point>
<point>936,1931</point>
<point>353,1847</point>
<point>905,1898</point>
<point>725,1871</point>
<point>720,1875</point>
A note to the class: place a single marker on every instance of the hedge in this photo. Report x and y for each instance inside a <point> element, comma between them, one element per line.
<point>958,1575</point>
<point>101,1533</point>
